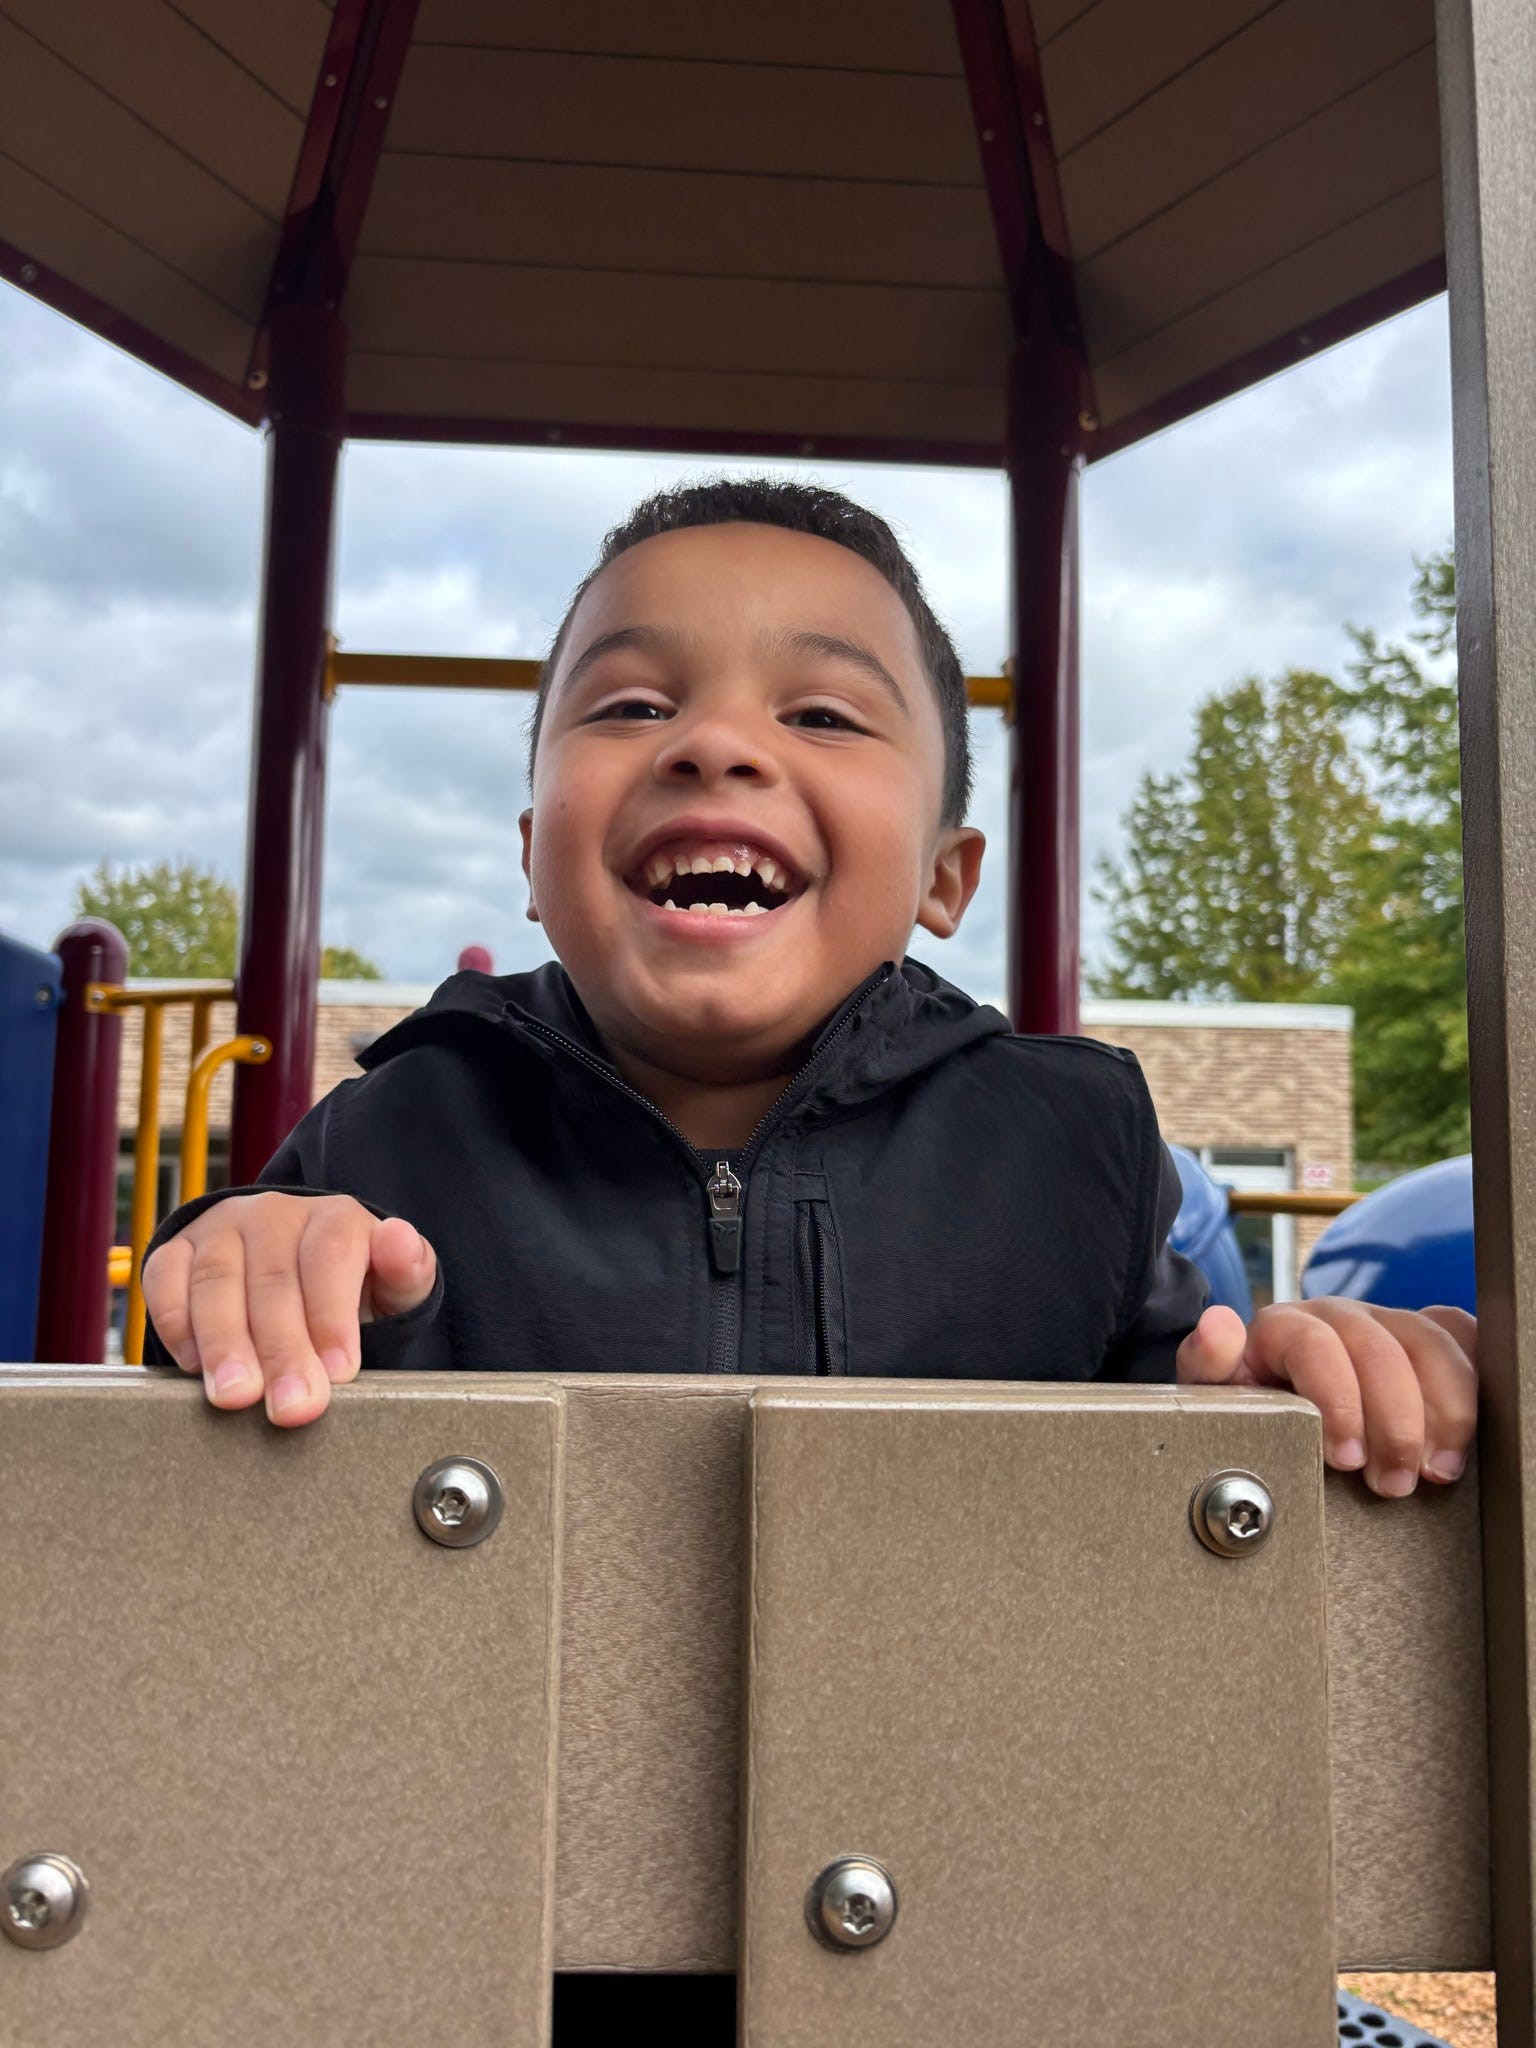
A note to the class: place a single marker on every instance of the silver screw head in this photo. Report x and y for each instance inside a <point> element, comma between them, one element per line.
<point>852,1903</point>
<point>43,1898</point>
<point>458,1501</point>
<point>1233,1513</point>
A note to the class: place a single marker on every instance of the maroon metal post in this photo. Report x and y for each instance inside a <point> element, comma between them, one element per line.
<point>1045,457</point>
<point>280,924</point>
<point>80,1208</point>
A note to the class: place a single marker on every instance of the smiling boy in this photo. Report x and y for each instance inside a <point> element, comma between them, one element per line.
<point>734,1129</point>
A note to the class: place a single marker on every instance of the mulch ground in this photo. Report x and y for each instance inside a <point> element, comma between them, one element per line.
<point>1459,2009</point>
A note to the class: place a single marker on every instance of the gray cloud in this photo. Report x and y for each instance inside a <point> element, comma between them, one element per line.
<point>130,546</point>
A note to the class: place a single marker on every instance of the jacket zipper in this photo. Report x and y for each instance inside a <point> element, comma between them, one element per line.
<point>724,1189</point>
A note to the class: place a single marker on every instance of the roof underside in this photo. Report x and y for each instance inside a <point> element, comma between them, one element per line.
<point>703,226</point>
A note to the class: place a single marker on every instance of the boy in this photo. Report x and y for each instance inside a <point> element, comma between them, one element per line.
<point>729,1132</point>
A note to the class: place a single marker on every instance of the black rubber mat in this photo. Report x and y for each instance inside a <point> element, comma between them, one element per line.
<point>1372,2026</point>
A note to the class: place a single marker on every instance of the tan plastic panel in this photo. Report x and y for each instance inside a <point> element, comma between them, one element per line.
<point>894,35</point>
<point>986,1648</point>
<point>1354,156</point>
<point>602,217</point>
<point>1384,244</point>
<point>749,326</point>
<point>1409,1710</point>
<point>1094,70</point>
<point>303,1754</point>
<point>281,41</point>
<point>689,116</point>
<point>602,394</point>
<point>1285,66</point>
<point>73,242</point>
<point>171,77</point>
<point>69,134</point>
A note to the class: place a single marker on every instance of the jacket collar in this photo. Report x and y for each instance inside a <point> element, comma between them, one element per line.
<point>902,1021</point>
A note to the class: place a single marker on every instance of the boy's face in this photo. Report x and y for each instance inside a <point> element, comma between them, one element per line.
<point>740,716</point>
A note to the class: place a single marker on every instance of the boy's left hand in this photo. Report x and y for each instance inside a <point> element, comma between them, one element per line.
<point>1397,1387</point>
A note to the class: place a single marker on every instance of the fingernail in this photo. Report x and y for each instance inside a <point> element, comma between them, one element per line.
<point>1447,1464</point>
<point>231,1376</point>
<point>1396,1483</point>
<point>292,1391</point>
<point>336,1363</point>
<point>1349,1456</point>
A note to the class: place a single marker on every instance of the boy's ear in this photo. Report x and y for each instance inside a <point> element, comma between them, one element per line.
<point>956,871</point>
<point>525,826</point>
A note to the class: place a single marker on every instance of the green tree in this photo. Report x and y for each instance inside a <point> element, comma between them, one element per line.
<point>1246,874</point>
<point>181,922</point>
<point>340,963</point>
<point>1404,970</point>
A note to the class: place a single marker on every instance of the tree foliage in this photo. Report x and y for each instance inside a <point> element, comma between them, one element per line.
<point>1244,874</point>
<point>1404,971</point>
<point>1311,850</point>
<point>182,922</point>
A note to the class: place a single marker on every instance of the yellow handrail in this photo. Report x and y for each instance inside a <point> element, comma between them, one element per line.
<point>250,1052</point>
<point>1291,1202</point>
<point>499,672</point>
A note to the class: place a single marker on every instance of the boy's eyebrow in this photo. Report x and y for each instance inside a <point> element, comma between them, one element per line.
<point>651,639</point>
<point>829,647</point>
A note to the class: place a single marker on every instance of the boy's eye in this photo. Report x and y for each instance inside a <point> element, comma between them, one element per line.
<point>631,707</point>
<point>817,718</point>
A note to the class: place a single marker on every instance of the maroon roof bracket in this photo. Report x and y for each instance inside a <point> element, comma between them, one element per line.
<point>349,114</point>
<point>1002,71</point>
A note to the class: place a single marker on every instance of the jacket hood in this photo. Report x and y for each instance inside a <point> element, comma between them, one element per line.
<point>903,1020</point>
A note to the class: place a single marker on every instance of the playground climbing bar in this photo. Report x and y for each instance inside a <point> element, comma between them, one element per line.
<point>82,1152</point>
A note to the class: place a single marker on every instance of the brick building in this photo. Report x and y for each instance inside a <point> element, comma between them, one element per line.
<point>1260,1091</point>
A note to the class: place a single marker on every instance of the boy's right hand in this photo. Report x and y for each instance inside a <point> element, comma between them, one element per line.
<point>265,1294</point>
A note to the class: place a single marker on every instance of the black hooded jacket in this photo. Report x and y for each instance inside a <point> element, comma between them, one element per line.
<point>930,1197</point>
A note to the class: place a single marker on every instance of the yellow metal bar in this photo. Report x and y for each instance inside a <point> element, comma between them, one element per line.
<point>111,995</point>
<point>496,672</point>
<point>146,1164</point>
<point>1296,1202</point>
<point>119,1265</point>
<point>202,1022</point>
<point>249,1052</point>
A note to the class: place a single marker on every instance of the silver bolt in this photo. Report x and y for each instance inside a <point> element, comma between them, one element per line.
<point>1089,422</point>
<point>852,1903</point>
<point>1037,120</point>
<point>458,1502</point>
<point>330,78</point>
<point>29,273</point>
<point>989,135</point>
<point>1233,1513</point>
<point>43,1898</point>
<point>44,996</point>
<point>380,105</point>
<point>257,381</point>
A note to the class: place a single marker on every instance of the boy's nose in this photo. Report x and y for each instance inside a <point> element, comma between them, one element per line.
<point>714,752</point>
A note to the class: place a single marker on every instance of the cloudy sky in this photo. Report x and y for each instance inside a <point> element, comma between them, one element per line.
<point>1240,542</point>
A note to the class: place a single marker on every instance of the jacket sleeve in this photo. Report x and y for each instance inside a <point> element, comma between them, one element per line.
<point>1168,1293</point>
<point>415,1340</point>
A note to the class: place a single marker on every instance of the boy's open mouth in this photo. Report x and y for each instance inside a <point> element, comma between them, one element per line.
<point>735,879</point>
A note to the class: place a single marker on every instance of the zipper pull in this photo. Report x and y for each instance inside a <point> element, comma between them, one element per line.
<point>724,1192</point>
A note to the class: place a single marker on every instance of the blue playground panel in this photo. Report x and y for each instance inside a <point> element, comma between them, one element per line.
<point>1408,1245</point>
<point>29,1014</point>
<point>1203,1232</point>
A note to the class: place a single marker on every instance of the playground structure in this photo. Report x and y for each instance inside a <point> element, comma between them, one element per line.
<point>723,1635</point>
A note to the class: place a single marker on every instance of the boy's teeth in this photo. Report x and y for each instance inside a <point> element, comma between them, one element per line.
<point>742,867</point>
<point>723,864</point>
<point>768,870</point>
<point>755,910</point>
<point>671,905</point>
<point>698,909</point>
<point>701,864</point>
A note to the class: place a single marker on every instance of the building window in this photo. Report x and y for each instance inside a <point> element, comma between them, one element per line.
<point>1267,1243</point>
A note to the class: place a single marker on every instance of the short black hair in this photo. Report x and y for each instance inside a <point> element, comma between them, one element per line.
<point>827,515</point>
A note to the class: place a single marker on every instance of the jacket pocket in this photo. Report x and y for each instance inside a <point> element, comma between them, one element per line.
<point>821,1329</point>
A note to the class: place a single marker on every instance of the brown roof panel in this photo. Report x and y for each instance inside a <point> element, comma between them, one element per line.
<point>279,43</point>
<point>1120,52</point>
<point>724,225</point>
<point>891,35</point>
<point>773,120</point>
<point>1293,60</point>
